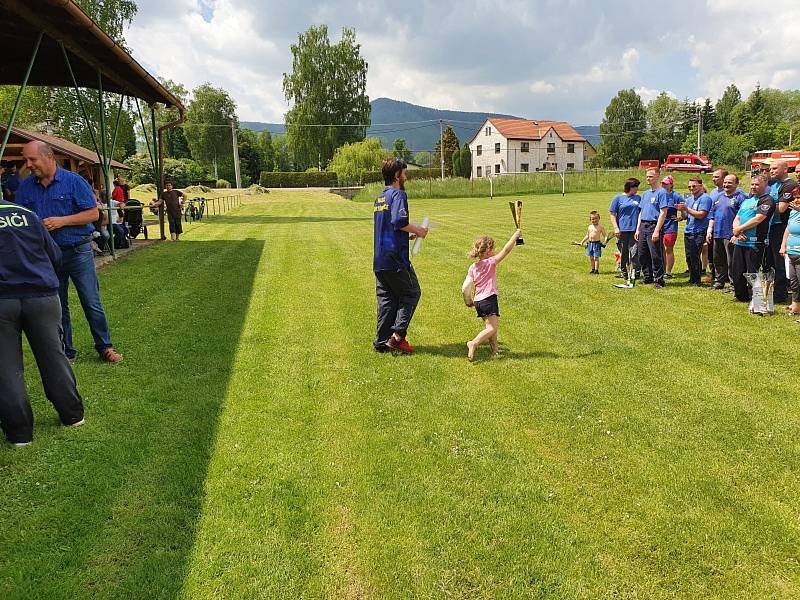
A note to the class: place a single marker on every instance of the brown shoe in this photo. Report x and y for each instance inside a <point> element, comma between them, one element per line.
<point>111,356</point>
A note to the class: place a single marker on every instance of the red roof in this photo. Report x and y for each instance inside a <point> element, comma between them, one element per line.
<point>59,146</point>
<point>524,129</point>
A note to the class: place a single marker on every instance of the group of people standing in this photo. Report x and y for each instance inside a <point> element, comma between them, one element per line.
<point>733,232</point>
<point>45,237</point>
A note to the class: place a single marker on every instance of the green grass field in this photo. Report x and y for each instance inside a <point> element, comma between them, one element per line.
<point>630,443</point>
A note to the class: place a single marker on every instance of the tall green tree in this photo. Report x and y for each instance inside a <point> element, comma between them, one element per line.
<point>112,15</point>
<point>267,151</point>
<point>327,86</point>
<point>462,162</point>
<point>709,115</point>
<point>351,161</point>
<point>730,98</point>
<point>208,127</point>
<point>250,157</point>
<point>400,150</point>
<point>664,127</point>
<point>451,146</point>
<point>620,130</point>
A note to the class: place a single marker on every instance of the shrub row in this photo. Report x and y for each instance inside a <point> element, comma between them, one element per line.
<point>290,180</point>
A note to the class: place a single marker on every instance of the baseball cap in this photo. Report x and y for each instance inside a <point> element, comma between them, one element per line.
<point>668,180</point>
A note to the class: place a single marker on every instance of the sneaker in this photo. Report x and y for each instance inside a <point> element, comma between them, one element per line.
<point>668,276</point>
<point>382,348</point>
<point>76,423</point>
<point>21,444</point>
<point>400,345</point>
<point>719,286</point>
<point>110,355</point>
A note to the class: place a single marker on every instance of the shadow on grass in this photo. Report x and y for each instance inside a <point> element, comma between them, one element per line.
<point>279,220</point>
<point>110,510</point>
<point>459,350</point>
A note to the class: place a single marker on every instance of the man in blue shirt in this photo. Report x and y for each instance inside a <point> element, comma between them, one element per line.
<point>720,228</point>
<point>396,287</point>
<point>781,188</point>
<point>624,211</point>
<point>695,208</point>
<point>67,207</point>
<point>655,204</point>
<point>718,177</point>
<point>751,235</point>
<point>29,303</point>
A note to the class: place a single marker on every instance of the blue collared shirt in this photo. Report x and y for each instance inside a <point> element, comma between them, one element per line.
<point>652,203</point>
<point>724,212</point>
<point>67,194</point>
<point>701,203</point>
<point>391,243</point>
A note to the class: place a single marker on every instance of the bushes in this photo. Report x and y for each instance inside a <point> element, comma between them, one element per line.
<point>223,184</point>
<point>290,180</point>
<point>181,172</point>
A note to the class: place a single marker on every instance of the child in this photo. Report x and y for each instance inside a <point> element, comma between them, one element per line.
<point>482,277</point>
<point>594,240</point>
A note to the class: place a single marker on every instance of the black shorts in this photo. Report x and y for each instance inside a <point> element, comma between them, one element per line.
<point>487,307</point>
<point>175,225</point>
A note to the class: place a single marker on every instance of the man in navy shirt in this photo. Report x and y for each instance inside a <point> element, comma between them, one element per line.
<point>66,204</point>
<point>751,235</point>
<point>781,188</point>
<point>720,228</point>
<point>696,208</point>
<point>655,204</point>
<point>396,285</point>
<point>29,303</point>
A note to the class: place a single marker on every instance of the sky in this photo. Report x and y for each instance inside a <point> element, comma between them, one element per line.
<point>539,59</point>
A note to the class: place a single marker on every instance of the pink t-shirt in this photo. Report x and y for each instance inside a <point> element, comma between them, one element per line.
<point>484,275</point>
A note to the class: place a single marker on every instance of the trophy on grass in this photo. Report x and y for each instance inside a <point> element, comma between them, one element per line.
<point>516,212</point>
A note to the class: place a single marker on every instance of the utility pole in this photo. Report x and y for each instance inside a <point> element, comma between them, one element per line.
<point>441,145</point>
<point>699,132</point>
<point>236,156</point>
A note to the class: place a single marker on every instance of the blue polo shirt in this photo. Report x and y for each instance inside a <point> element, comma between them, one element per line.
<point>67,194</point>
<point>627,210</point>
<point>694,224</point>
<point>391,244</point>
<point>29,255</point>
<point>781,191</point>
<point>652,203</point>
<point>716,193</point>
<point>670,224</point>
<point>723,211</point>
<point>793,242</point>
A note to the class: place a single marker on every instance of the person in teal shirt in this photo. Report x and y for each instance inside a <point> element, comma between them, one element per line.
<point>790,249</point>
<point>751,235</point>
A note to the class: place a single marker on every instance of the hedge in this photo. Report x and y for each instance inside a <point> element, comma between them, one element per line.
<point>290,180</point>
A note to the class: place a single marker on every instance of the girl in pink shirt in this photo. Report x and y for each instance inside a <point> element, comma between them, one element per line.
<point>480,288</point>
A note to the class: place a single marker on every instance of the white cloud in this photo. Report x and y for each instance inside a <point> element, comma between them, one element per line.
<point>542,87</point>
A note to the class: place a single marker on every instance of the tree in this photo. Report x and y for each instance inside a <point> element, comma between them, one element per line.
<point>175,142</point>
<point>250,157</point>
<point>351,161</point>
<point>451,146</point>
<point>327,86</point>
<point>664,135</point>
<point>400,150</point>
<point>709,115</point>
<point>267,151</point>
<point>208,126</point>
<point>283,161</point>
<point>620,129</point>
<point>423,159</point>
<point>112,16</point>
<point>731,97</point>
<point>462,162</point>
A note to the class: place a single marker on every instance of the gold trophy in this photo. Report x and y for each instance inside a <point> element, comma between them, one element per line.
<point>516,212</point>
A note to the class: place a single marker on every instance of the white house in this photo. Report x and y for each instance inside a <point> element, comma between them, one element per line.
<point>522,146</point>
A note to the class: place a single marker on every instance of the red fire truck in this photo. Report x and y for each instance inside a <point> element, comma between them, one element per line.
<point>688,163</point>
<point>764,158</point>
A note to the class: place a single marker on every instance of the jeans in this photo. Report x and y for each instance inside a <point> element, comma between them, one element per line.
<point>398,294</point>
<point>39,319</point>
<point>794,276</point>
<point>723,256</point>
<point>745,260</point>
<point>651,254</point>
<point>693,244</point>
<point>78,265</point>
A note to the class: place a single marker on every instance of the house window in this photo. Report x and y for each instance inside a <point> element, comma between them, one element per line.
<point>479,172</point>
<point>570,148</point>
<point>544,166</point>
<point>479,151</point>
<point>497,169</point>
<point>570,165</point>
<point>524,167</point>
<point>497,148</point>
<point>526,147</point>
<point>551,147</point>
<point>488,131</point>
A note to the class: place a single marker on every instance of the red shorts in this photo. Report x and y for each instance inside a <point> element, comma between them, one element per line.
<point>669,239</point>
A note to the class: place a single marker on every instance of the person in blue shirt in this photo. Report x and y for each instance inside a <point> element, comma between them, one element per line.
<point>624,211</point>
<point>718,177</point>
<point>9,181</point>
<point>655,204</point>
<point>29,304</point>
<point>720,228</point>
<point>66,205</point>
<point>669,234</point>
<point>790,248</point>
<point>751,235</point>
<point>397,288</point>
<point>695,208</point>
<point>781,188</point>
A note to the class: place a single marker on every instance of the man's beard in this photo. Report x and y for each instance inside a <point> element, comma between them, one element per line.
<point>403,185</point>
